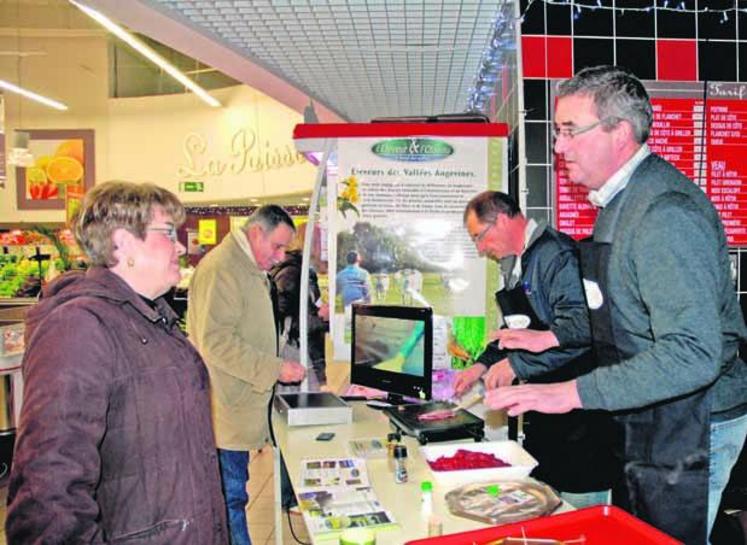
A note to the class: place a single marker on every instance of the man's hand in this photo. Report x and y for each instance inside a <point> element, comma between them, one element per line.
<point>499,375</point>
<point>557,398</point>
<point>291,371</point>
<point>466,378</point>
<point>525,339</point>
<point>323,312</point>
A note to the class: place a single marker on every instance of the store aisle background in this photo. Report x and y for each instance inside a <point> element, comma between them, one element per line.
<point>260,511</point>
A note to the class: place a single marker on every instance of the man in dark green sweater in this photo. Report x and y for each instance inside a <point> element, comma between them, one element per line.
<point>666,323</point>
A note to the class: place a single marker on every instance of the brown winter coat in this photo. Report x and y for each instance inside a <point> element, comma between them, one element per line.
<point>115,443</point>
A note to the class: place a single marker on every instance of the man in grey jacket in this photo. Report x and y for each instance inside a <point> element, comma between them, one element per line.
<point>666,323</point>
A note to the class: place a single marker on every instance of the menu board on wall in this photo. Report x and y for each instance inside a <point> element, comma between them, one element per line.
<point>704,135</point>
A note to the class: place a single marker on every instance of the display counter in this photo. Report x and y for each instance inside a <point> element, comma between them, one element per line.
<point>402,500</point>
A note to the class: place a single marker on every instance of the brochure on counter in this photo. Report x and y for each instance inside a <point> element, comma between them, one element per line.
<point>335,494</point>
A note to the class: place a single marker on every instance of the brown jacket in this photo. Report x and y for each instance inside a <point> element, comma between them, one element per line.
<point>231,322</point>
<point>115,443</point>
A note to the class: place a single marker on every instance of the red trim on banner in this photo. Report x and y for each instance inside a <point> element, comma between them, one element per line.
<point>362,130</point>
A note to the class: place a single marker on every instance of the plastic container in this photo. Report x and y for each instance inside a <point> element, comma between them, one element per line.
<point>426,498</point>
<point>600,525</point>
<point>510,452</point>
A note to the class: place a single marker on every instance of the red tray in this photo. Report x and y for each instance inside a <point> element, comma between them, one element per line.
<point>600,525</point>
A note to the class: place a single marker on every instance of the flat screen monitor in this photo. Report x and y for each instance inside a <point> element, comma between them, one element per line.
<point>392,350</point>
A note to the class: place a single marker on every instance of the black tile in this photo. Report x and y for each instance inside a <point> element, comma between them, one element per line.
<point>558,19</point>
<point>534,18</point>
<point>742,75</point>
<point>717,61</point>
<point>535,99</point>
<point>594,21</point>
<point>742,262</point>
<point>741,20</point>
<point>635,23</point>
<point>591,52</point>
<point>639,56</point>
<point>676,24</point>
<point>536,143</point>
<point>537,184</point>
<point>715,24</point>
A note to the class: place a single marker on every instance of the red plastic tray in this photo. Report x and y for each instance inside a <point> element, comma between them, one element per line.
<point>600,525</point>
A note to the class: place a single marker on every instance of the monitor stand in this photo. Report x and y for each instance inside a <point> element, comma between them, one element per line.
<point>391,400</point>
<point>396,399</point>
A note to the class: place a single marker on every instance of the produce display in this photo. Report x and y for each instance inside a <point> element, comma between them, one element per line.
<point>19,276</point>
<point>466,459</point>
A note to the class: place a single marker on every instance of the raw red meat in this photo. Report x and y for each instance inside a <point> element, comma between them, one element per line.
<point>466,459</point>
<point>438,414</point>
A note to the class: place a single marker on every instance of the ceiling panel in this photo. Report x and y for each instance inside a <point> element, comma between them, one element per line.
<point>362,58</point>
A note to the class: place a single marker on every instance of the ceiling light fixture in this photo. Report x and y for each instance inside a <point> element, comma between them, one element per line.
<point>147,52</point>
<point>33,96</point>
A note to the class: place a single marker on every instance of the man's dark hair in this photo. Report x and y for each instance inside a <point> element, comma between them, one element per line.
<point>269,217</point>
<point>352,257</point>
<point>618,95</point>
<point>488,204</point>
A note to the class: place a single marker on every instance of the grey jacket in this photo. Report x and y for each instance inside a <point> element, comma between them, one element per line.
<point>672,297</point>
<point>231,322</point>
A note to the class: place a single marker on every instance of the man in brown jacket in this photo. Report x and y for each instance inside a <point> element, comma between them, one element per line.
<point>231,322</point>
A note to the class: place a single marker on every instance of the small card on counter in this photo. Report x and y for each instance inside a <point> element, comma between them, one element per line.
<point>330,472</point>
<point>368,448</point>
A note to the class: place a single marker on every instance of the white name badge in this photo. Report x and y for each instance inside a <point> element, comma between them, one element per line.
<point>517,321</point>
<point>594,297</point>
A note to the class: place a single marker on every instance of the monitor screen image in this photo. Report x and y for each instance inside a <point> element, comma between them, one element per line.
<point>392,349</point>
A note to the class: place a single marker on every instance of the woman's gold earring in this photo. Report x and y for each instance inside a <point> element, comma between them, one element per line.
<point>130,262</point>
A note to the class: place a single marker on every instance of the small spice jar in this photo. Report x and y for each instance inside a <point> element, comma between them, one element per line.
<point>400,464</point>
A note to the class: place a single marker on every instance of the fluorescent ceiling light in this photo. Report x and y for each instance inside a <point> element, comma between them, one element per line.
<point>33,96</point>
<point>147,52</point>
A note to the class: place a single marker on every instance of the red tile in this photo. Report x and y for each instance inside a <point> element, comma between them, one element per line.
<point>676,60</point>
<point>559,57</point>
<point>533,56</point>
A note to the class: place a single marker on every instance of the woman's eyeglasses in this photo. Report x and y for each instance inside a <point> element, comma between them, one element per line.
<point>169,231</point>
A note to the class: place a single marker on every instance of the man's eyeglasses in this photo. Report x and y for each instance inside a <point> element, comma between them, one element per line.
<point>571,132</point>
<point>481,235</point>
<point>169,231</point>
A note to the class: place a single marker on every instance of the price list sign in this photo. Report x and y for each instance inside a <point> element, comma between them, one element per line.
<point>706,139</point>
<point>727,165</point>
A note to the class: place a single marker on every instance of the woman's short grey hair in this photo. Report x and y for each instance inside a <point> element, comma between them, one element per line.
<point>618,96</point>
<point>120,205</point>
<point>269,217</point>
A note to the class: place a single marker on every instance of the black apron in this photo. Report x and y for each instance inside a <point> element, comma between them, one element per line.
<point>567,447</point>
<point>663,448</point>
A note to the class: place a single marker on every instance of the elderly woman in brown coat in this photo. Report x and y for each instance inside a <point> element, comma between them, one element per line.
<point>115,443</point>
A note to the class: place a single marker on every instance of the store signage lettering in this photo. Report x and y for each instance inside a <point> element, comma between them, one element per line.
<point>246,154</point>
<point>727,90</point>
<point>412,149</point>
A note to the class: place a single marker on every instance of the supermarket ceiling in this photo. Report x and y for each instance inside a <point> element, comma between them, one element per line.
<point>357,59</point>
